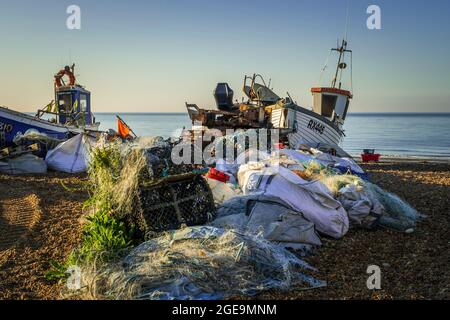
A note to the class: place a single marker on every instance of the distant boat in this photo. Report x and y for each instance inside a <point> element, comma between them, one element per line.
<point>68,114</point>
<point>265,109</point>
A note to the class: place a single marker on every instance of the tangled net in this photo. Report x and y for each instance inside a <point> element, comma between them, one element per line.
<point>398,215</point>
<point>329,177</point>
<point>198,263</point>
<point>116,170</point>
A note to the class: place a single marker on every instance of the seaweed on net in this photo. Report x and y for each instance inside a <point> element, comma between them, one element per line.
<point>198,263</point>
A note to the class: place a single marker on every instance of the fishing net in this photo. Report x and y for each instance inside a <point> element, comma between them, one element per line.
<point>114,172</point>
<point>336,182</point>
<point>32,136</point>
<point>198,263</point>
<point>138,183</point>
<point>330,177</point>
<point>231,146</point>
<point>117,168</point>
<point>399,214</point>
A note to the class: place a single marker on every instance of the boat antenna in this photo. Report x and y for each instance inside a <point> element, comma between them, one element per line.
<point>347,20</point>
<point>346,34</point>
<point>342,49</point>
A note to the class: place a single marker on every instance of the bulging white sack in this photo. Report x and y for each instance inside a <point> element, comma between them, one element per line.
<point>71,156</point>
<point>312,199</point>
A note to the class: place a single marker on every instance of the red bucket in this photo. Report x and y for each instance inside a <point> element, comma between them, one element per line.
<point>367,157</point>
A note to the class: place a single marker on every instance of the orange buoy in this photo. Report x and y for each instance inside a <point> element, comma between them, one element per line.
<point>64,72</point>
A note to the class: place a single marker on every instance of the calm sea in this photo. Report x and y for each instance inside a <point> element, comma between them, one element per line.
<point>412,134</point>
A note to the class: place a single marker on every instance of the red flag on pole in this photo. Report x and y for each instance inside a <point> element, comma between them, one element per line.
<point>123,129</point>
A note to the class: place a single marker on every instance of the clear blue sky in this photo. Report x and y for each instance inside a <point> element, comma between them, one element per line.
<point>152,56</point>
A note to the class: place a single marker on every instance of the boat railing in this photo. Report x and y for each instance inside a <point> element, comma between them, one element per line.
<point>41,112</point>
<point>253,78</point>
<point>71,119</point>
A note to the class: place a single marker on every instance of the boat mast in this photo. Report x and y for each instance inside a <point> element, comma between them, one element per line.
<point>341,65</point>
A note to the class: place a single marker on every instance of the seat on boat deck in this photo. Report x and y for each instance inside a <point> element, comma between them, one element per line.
<point>223,95</point>
<point>261,93</point>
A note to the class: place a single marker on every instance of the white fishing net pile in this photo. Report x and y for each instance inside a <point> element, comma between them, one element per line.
<point>197,263</point>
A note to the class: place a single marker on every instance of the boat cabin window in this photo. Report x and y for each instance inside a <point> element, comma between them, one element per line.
<point>65,103</point>
<point>346,109</point>
<point>342,107</point>
<point>83,103</point>
<point>328,105</point>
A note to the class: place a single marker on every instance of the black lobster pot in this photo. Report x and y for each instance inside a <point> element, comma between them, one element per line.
<point>172,202</point>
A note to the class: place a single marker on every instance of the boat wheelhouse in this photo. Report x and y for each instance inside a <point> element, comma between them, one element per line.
<point>68,114</point>
<point>73,107</point>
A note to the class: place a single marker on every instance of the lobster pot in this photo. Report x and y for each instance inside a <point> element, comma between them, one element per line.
<point>173,202</point>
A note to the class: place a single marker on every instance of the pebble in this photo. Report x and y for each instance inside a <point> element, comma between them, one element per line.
<point>411,230</point>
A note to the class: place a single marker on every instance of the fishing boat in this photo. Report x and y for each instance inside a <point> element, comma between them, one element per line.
<point>67,115</point>
<point>323,124</point>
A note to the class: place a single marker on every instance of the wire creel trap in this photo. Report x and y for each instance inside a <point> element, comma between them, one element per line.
<point>172,202</point>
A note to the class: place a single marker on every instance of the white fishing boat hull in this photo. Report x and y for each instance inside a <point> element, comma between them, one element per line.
<point>305,126</point>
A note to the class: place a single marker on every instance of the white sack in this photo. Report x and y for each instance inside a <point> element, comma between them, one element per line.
<point>363,209</point>
<point>71,156</point>
<point>312,199</point>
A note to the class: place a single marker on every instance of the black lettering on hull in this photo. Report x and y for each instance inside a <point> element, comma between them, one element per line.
<point>316,126</point>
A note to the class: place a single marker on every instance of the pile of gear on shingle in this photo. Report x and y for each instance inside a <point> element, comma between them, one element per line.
<point>236,226</point>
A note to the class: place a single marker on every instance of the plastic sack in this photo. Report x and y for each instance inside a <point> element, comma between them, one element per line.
<point>270,217</point>
<point>222,191</point>
<point>311,198</point>
<point>71,156</point>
